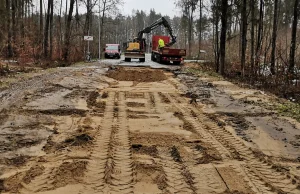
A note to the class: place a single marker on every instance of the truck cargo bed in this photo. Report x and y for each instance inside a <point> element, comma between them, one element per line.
<point>171,52</point>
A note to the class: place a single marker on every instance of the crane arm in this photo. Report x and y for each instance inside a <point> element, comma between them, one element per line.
<point>159,22</point>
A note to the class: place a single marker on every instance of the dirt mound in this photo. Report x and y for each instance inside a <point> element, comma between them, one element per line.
<point>139,75</point>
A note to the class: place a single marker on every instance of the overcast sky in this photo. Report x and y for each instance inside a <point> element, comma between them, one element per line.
<point>165,7</point>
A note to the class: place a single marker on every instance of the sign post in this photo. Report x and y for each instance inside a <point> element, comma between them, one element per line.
<point>88,39</point>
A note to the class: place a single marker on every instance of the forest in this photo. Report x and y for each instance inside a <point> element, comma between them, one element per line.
<point>255,40</point>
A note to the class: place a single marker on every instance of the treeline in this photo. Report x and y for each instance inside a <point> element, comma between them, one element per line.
<point>51,30</point>
<point>253,40</point>
<point>252,37</point>
<point>54,30</point>
<point>264,31</point>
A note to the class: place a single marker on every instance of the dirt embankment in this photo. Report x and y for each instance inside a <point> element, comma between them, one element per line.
<point>139,75</point>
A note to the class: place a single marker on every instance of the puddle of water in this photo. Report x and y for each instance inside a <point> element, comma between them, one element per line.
<point>274,136</point>
<point>225,103</point>
<point>54,101</point>
<point>81,81</point>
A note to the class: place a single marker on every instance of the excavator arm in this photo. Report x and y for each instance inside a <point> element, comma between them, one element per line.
<point>159,22</point>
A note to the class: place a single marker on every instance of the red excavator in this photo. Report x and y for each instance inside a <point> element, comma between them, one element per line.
<point>136,48</point>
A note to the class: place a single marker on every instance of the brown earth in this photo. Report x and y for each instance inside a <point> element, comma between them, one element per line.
<point>139,75</point>
<point>133,130</point>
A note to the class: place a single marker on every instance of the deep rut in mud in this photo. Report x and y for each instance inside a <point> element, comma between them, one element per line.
<point>138,136</point>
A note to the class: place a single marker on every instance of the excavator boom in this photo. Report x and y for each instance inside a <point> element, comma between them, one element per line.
<point>136,48</point>
<point>159,22</point>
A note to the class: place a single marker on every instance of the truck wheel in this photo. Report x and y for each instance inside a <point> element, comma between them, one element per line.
<point>159,59</point>
<point>142,60</point>
<point>127,59</point>
<point>176,62</point>
<point>152,57</point>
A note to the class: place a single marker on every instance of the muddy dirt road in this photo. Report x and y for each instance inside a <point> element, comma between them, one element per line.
<point>100,129</point>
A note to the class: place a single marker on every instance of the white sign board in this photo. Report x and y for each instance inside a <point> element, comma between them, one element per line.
<point>88,38</point>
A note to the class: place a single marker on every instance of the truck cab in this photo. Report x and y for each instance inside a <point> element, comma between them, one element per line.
<point>112,51</point>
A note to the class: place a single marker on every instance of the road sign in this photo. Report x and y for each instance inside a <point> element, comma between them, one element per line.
<point>88,38</point>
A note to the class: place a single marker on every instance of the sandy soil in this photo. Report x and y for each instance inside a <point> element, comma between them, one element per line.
<point>138,130</point>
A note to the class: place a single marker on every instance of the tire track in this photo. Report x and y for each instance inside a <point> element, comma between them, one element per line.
<point>41,183</point>
<point>275,181</point>
<point>110,169</point>
<point>199,127</point>
<point>98,169</point>
<point>174,171</point>
<point>158,105</point>
<point>259,173</point>
<point>122,175</point>
<point>44,181</point>
<point>207,179</point>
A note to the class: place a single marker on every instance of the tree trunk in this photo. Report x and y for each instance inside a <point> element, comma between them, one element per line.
<point>87,17</point>
<point>217,45</point>
<point>244,36</point>
<point>9,34</point>
<point>190,32</point>
<point>2,22</point>
<point>23,21</point>
<point>41,21</point>
<point>260,32</point>
<point>274,36</point>
<point>252,35</point>
<point>200,28</point>
<point>46,33</point>
<point>13,16</point>
<point>60,28</point>
<point>224,9</point>
<point>51,29</point>
<point>294,36</point>
<point>102,24</point>
<point>68,32</point>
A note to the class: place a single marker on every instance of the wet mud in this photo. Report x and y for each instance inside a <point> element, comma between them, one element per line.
<point>129,130</point>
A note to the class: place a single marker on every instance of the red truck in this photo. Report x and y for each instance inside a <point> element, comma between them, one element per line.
<point>166,55</point>
<point>112,51</point>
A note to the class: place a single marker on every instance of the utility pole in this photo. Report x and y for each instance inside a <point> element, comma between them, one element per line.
<point>99,30</point>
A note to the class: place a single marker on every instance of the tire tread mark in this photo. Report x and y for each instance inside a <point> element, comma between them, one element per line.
<point>174,175</point>
<point>233,144</point>
<point>97,169</point>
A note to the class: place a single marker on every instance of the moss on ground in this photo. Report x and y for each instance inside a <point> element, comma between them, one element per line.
<point>289,109</point>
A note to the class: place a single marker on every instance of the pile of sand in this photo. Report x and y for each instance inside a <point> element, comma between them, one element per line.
<point>139,75</point>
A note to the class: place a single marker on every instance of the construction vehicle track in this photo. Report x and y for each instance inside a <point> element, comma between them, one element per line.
<point>136,137</point>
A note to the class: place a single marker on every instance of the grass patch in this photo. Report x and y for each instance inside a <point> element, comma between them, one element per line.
<point>201,70</point>
<point>289,109</point>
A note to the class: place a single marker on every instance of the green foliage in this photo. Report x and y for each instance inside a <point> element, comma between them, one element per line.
<point>201,70</point>
<point>289,109</point>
